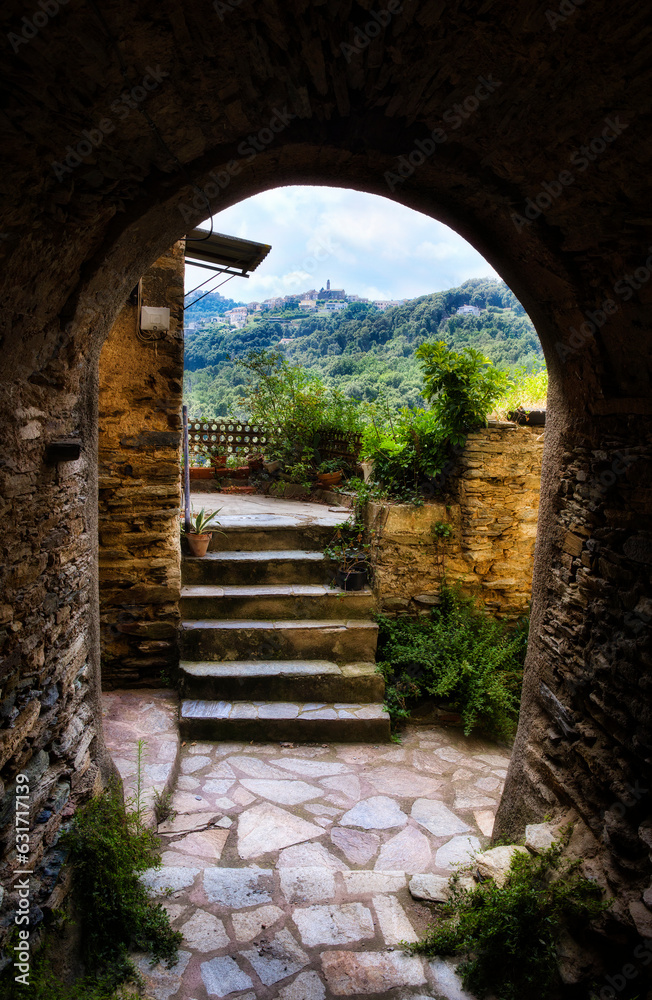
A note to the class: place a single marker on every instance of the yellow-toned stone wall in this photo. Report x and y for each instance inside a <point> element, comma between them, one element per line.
<point>491,503</point>
<point>139,485</point>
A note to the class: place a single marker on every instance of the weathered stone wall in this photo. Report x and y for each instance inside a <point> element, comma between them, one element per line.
<point>50,721</point>
<point>141,386</point>
<point>76,236</point>
<point>585,732</point>
<point>491,504</point>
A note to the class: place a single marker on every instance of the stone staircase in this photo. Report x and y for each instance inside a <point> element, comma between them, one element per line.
<point>269,650</point>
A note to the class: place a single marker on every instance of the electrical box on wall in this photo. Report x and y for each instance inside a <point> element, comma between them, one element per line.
<point>155,318</point>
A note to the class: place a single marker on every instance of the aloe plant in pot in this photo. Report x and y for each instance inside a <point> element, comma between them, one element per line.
<point>202,527</point>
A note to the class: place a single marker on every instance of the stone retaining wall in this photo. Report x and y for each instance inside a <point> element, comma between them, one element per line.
<point>491,505</point>
<point>139,486</point>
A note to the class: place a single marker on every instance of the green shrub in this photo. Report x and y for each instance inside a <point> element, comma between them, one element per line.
<point>459,654</point>
<point>406,450</point>
<point>44,984</point>
<point>411,448</point>
<point>528,390</point>
<point>509,934</point>
<point>462,387</point>
<point>108,848</point>
<point>294,403</point>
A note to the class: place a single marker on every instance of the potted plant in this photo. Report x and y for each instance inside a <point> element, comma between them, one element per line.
<point>329,472</point>
<point>200,472</point>
<point>235,468</point>
<point>350,552</point>
<point>201,530</point>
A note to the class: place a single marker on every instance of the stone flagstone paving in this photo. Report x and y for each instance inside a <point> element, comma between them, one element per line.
<point>287,867</point>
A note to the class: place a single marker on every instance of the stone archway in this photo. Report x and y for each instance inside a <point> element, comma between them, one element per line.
<point>523,130</point>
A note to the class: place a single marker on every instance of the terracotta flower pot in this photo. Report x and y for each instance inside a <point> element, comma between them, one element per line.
<point>198,544</point>
<point>329,478</point>
<point>200,472</point>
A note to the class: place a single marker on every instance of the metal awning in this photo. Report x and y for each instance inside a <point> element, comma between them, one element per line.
<point>224,254</point>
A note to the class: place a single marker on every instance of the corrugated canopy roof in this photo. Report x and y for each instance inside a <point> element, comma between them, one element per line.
<point>227,254</point>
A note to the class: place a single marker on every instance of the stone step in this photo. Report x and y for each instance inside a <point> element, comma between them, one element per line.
<point>257,568</point>
<point>282,680</point>
<point>351,641</point>
<point>262,720</point>
<point>274,601</point>
<point>275,535</point>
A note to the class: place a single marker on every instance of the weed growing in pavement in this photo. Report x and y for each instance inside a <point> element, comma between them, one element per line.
<point>509,934</point>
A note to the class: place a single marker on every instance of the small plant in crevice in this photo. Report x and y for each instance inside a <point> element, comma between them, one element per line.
<point>135,803</point>
<point>458,654</point>
<point>163,806</point>
<point>508,935</point>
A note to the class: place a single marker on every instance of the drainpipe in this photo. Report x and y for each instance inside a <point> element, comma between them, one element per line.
<point>186,471</point>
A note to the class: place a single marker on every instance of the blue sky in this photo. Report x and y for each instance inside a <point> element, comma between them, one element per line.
<point>368,245</point>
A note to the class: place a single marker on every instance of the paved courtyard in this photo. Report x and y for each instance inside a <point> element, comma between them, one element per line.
<point>252,511</point>
<point>288,867</point>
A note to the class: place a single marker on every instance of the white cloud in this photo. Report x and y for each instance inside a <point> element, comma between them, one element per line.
<point>369,245</point>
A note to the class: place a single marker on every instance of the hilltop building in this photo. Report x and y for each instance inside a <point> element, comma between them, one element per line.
<point>329,293</point>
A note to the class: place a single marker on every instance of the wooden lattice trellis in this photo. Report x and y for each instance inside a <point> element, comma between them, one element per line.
<point>344,445</point>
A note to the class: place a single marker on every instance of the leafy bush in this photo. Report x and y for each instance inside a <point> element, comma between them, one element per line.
<point>413,447</point>
<point>295,403</point>
<point>342,414</point>
<point>510,934</point>
<point>284,397</point>
<point>108,849</point>
<point>458,654</point>
<point>406,450</point>
<point>462,386</point>
<point>44,984</point>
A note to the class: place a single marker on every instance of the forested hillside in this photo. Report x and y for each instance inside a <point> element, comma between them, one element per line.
<point>364,352</point>
<point>206,306</point>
